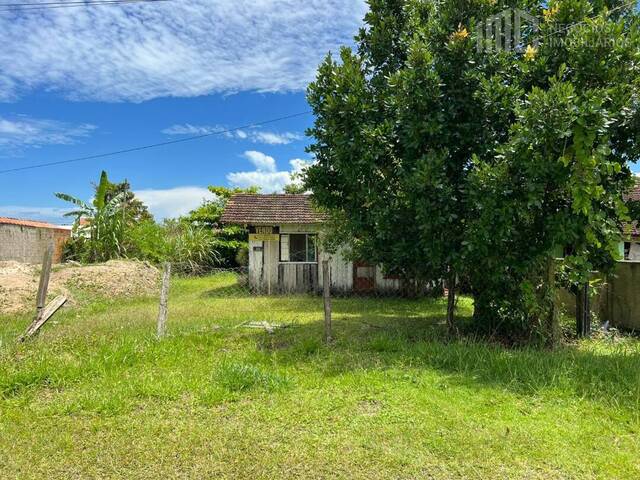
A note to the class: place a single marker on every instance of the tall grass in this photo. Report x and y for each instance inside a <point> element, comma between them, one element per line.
<point>216,400</point>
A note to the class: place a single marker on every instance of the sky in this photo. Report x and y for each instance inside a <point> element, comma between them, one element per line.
<point>77,82</point>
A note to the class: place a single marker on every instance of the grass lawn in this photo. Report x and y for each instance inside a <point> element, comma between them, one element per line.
<point>97,396</point>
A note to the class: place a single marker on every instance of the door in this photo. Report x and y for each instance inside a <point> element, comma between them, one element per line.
<point>364,277</point>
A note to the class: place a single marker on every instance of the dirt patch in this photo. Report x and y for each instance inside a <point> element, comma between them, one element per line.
<point>114,279</point>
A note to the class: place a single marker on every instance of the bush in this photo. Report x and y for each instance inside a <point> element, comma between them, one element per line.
<point>148,241</point>
<point>192,250</point>
<point>242,256</point>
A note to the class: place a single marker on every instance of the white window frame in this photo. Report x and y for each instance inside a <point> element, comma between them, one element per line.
<point>285,244</point>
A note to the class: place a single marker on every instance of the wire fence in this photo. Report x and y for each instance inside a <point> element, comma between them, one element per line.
<point>243,298</point>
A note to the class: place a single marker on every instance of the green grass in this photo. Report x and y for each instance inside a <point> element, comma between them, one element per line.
<point>97,396</point>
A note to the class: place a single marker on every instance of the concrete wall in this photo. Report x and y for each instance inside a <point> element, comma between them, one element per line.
<point>28,244</point>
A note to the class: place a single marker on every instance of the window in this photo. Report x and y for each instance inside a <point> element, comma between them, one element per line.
<point>627,250</point>
<point>298,247</point>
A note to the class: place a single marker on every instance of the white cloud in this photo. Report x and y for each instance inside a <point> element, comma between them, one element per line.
<point>137,52</point>
<point>262,162</point>
<point>255,136</point>
<point>272,138</point>
<point>19,132</point>
<point>42,214</point>
<point>188,129</point>
<point>173,202</point>
<point>266,176</point>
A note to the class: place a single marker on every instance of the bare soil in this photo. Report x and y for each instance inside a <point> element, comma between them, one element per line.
<point>114,279</point>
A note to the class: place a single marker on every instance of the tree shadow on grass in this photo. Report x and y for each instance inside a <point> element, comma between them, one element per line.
<point>605,371</point>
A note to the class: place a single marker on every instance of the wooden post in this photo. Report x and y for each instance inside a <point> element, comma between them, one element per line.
<point>43,288</point>
<point>164,298</point>
<point>583,311</point>
<point>267,247</point>
<point>326,294</point>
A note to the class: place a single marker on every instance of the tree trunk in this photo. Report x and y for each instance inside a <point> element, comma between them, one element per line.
<point>451,303</point>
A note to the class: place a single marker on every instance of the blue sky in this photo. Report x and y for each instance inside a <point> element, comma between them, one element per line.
<point>83,81</point>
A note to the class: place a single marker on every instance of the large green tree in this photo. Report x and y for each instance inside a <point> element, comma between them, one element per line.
<point>135,211</point>
<point>441,160</point>
<point>230,240</point>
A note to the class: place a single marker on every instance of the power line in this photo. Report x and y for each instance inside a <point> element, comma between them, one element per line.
<point>22,7</point>
<point>154,145</point>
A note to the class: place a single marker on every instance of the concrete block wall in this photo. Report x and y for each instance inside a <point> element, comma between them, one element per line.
<point>27,244</point>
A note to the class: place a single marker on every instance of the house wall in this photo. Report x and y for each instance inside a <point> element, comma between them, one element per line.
<point>268,275</point>
<point>28,244</point>
<point>341,271</point>
<point>634,252</point>
<point>263,266</point>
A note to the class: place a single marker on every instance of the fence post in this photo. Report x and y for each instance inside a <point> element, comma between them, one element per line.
<point>583,311</point>
<point>326,295</point>
<point>43,287</point>
<point>164,298</point>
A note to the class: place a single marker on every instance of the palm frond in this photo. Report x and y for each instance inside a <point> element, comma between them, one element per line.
<point>76,201</point>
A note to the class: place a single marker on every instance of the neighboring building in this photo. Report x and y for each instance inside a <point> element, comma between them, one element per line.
<point>284,252</point>
<point>26,241</point>
<point>630,248</point>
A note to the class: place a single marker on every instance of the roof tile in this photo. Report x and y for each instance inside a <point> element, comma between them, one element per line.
<point>273,209</point>
<point>29,223</point>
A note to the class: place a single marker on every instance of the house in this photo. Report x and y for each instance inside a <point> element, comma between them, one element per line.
<point>630,247</point>
<point>26,241</point>
<point>284,251</point>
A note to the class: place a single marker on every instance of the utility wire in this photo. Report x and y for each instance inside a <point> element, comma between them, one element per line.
<point>154,145</point>
<point>22,7</point>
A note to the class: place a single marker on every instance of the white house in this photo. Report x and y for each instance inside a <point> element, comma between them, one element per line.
<point>284,251</point>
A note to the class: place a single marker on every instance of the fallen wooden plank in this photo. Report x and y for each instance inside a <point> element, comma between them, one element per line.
<point>268,327</point>
<point>46,314</point>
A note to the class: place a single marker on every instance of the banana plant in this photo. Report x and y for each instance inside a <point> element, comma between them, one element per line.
<point>101,223</point>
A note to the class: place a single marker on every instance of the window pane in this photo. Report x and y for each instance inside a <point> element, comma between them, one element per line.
<point>311,248</point>
<point>284,248</point>
<point>298,248</point>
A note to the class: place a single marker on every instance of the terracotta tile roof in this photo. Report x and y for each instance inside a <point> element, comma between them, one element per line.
<point>635,193</point>
<point>29,223</point>
<point>274,209</point>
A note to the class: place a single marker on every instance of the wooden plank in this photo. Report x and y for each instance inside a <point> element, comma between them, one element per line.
<point>47,313</point>
<point>164,298</point>
<point>326,281</point>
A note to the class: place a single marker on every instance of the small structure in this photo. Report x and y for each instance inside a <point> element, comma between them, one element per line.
<point>284,251</point>
<point>26,241</point>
